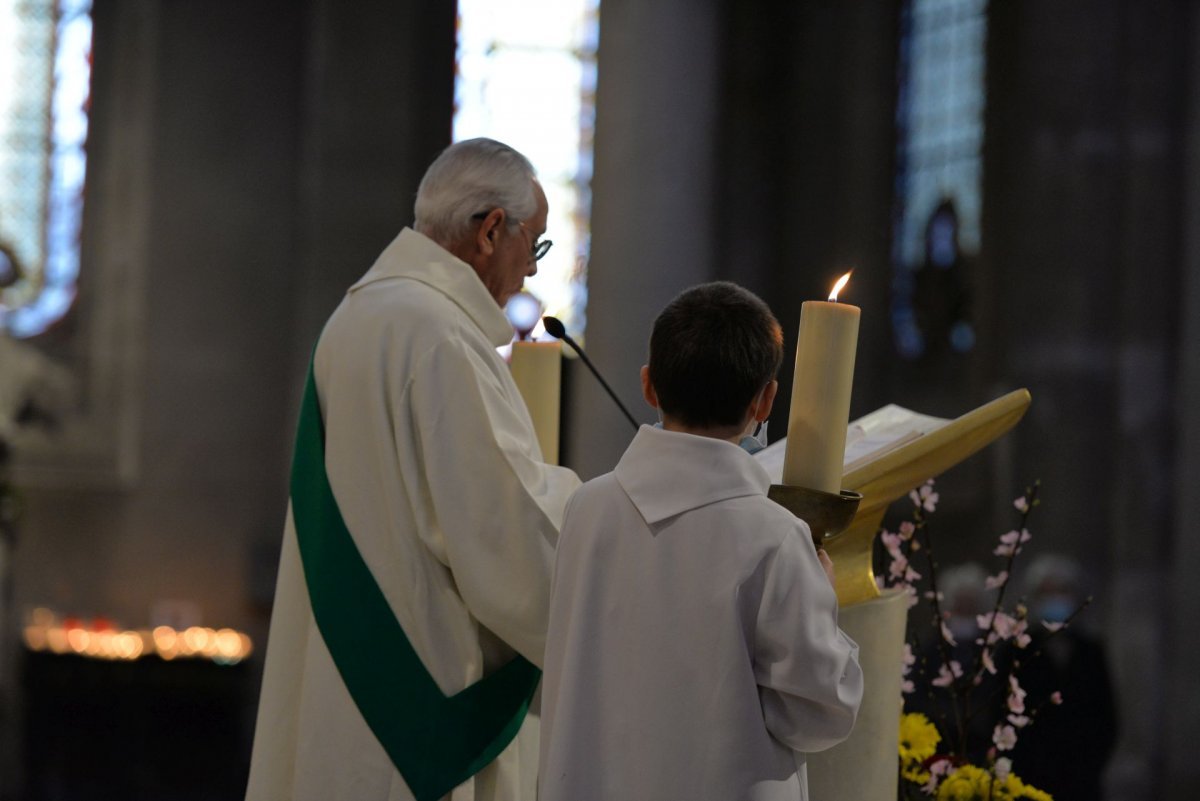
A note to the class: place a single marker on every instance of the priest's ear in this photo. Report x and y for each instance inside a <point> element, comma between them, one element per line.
<point>648,388</point>
<point>489,229</point>
<point>765,400</point>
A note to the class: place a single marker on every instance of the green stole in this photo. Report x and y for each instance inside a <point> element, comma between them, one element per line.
<point>436,742</point>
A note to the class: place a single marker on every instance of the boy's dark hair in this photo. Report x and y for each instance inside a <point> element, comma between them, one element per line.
<point>712,349</point>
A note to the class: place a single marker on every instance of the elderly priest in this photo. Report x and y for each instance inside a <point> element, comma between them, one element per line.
<point>411,609</point>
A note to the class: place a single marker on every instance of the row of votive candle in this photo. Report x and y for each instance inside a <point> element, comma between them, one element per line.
<point>46,633</point>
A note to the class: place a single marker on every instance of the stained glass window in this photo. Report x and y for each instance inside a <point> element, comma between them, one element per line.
<point>527,77</point>
<point>940,126</point>
<point>45,78</point>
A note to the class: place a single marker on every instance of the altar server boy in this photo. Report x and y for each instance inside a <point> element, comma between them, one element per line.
<point>693,650</point>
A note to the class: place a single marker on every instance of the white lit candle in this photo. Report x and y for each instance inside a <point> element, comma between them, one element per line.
<point>820,411</point>
<point>537,371</point>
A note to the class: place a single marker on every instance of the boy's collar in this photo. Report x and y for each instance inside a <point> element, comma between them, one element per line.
<point>750,443</point>
<point>666,473</point>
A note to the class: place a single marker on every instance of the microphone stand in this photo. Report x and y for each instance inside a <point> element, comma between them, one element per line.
<point>556,329</point>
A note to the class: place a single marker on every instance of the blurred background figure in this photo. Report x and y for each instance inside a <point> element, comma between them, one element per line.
<point>964,597</point>
<point>941,300</point>
<point>1067,747</point>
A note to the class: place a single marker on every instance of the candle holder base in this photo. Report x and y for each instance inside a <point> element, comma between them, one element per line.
<point>827,514</point>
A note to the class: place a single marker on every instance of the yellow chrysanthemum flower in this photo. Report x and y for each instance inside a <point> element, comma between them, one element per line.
<point>918,739</point>
<point>915,773</point>
<point>971,783</point>
<point>967,783</point>
<point>1018,790</point>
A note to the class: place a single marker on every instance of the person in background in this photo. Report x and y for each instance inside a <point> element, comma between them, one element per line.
<point>1068,745</point>
<point>964,598</point>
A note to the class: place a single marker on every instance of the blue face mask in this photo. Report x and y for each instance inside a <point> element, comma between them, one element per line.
<point>1055,608</point>
<point>753,443</point>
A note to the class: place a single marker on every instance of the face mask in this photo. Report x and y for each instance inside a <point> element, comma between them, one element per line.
<point>1055,608</point>
<point>963,628</point>
<point>753,443</point>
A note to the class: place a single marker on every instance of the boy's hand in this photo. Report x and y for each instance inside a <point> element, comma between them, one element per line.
<point>827,564</point>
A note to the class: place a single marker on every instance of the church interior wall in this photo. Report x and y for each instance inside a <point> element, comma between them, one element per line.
<point>1086,237</point>
<point>1183,728</point>
<point>285,144</point>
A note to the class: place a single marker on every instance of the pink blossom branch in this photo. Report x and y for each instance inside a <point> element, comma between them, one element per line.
<point>1034,655</point>
<point>954,687</point>
<point>1030,496</point>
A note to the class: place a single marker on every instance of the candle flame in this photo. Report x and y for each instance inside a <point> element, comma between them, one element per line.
<point>838,287</point>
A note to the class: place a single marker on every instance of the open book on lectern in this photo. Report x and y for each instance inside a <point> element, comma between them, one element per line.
<point>868,438</point>
<point>889,452</point>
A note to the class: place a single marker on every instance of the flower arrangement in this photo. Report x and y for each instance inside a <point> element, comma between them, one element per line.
<point>967,679</point>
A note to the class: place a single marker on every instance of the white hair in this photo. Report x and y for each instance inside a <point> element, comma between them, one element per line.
<point>468,178</point>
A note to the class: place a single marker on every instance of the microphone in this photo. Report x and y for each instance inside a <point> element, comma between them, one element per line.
<point>556,329</point>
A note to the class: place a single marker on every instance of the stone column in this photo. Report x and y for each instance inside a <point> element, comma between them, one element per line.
<point>655,210</point>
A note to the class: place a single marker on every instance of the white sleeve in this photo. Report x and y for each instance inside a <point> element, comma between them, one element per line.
<point>807,669</point>
<point>497,506</point>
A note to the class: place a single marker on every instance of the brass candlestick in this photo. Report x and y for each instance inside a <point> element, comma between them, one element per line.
<point>827,514</point>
